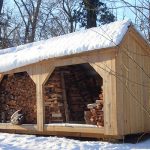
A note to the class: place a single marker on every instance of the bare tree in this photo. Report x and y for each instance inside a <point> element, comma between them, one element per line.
<point>29,12</point>
<point>68,8</point>
<point>58,17</point>
<point>1,5</point>
<point>42,19</point>
<point>5,28</point>
<point>140,11</point>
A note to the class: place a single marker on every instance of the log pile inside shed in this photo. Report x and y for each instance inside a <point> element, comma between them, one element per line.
<point>72,94</point>
<point>17,91</point>
<point>95,115</point>
<point>67,101</point>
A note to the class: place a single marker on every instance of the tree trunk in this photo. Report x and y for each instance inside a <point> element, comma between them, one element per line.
<point>90,6</point>
<point>1,5</point>
<point>34,23</point>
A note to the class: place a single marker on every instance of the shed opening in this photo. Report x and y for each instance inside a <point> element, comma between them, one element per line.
<point>18,91</point>
<point>73,94</point>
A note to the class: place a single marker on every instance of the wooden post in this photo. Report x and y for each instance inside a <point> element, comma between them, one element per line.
<point>109,89</point>
<point>40,104</point>
<point>1,77</point>
<point>39,74</point>
<point>65,97</point>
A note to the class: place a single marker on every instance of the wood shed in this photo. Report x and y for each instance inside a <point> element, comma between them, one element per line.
<point>91,83</point>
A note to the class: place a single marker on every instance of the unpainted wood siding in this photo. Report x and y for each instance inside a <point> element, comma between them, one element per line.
<point>133,85</point>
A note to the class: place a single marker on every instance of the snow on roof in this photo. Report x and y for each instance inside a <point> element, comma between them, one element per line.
<point>73,43</point>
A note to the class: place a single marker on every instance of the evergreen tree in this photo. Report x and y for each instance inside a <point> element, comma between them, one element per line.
<point>1,4</point>
<point>4,24</point>
<point>94,13</point>
<point>1,23</point>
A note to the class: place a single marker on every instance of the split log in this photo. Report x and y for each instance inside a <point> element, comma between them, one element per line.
<point>80,90</point>
<point>17,91</point>
<point>17,118</point>
<point>95,114</point>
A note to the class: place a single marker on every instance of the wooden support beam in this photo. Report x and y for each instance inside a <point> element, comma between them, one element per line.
<point>1,77</point>
<point>99,68</point>
<point>39,74</point>
<point>65,97</point>
<point>74,129</point>
<point>25,127</point>
<point>40,105</point>
<point>109,89</point>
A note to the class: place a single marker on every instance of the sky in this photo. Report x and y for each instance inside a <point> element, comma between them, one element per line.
<point>121,13</point>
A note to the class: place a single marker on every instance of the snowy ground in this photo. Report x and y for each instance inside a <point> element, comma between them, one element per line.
<point>30,142</point>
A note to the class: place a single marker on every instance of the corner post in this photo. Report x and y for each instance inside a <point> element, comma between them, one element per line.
<point>109,89</point>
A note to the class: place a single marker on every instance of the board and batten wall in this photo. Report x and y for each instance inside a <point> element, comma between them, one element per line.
<point>133,84</point>
<point>103,61</point>
<point>126,86</point>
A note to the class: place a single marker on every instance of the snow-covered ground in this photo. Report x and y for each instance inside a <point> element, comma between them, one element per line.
<point>30,142</point>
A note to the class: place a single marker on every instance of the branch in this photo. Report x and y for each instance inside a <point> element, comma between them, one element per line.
<point>30,17</point>
<point>1,5</point>
<point>20,12</point>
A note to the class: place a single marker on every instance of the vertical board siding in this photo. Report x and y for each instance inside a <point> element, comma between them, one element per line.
<point>122,85</point>
<point>135,95</point>
<point>106,69</point>
<point>41,71</point>
<point>119,96</point>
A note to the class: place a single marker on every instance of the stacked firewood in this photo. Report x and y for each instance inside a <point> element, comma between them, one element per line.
<point>54,107</point>
<point>78,94</point>
<point>80,90</point>
<point>95,113</point>
<point>17,91</point>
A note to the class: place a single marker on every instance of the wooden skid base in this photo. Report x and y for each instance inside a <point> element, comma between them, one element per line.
<point>68,131</point>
